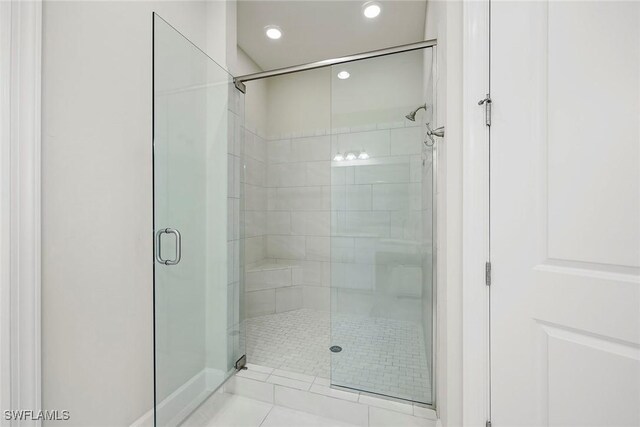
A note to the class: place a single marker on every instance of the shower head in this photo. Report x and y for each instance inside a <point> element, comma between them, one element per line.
<point>412,115</point>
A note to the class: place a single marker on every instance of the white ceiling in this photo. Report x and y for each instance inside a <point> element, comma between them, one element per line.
<point>315,30</point>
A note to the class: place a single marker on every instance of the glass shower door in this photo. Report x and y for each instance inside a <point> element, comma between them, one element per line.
<point>382,205</point>
<point>198,337</point>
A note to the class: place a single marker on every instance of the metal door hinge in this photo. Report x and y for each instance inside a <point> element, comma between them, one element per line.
<point>487,109</point>
<point>488,423</point>
<point>240,363</point>
<point>487,273</point>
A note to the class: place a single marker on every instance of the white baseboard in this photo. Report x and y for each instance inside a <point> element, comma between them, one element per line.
<point>179,404</point>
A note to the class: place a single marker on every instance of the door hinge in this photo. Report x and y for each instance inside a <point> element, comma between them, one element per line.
<point>488,423</point>
<point>240,363</point>
<point>487,109</point>
<point>487,273</point>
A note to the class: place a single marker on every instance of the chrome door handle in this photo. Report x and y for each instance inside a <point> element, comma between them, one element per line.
<point>159,258</point>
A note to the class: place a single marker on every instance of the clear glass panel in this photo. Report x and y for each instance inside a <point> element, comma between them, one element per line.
<point>288,221</point>
<point>197,329</point>
<point>382,208</point>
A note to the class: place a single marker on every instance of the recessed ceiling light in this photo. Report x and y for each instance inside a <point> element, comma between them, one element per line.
<point>273,32</point>
<point>342,75</point>
<point>371,9</point>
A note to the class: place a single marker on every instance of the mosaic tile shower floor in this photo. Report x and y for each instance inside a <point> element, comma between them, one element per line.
<point>383,356</point>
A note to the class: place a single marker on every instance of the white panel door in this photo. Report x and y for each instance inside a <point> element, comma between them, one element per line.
<point>565,213</point>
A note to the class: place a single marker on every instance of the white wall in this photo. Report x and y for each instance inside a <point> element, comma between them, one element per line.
<point>298,103</point>
<point>314,101</point>
<point>255,109</point>
<point>379,90</point>
<point>96,208</point>
<point>444,23</point>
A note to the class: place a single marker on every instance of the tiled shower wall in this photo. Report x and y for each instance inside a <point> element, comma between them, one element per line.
<point>298,217</point>
<point>291,205</point>
<point>376,243</point>
<point>255,175</point>
<point>287,224</point>
<point>235,133</point>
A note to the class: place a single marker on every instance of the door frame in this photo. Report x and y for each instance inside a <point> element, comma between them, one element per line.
<point>20,249</point>
<point>475,301</point>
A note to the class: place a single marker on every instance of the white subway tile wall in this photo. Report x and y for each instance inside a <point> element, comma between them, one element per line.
<point>304,211</point>
<point>260,285</point>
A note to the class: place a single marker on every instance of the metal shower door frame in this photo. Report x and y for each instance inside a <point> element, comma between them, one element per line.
<point>240,80</point>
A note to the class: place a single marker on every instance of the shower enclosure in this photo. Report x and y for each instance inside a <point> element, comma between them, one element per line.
<point>340,222</point>
<point>307,245</point>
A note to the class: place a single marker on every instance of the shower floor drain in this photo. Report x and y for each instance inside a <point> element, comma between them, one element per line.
<point>335,348</point>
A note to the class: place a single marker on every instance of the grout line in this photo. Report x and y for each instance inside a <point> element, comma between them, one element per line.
<point>368,414</point>
<point>369,406</point>
<point>268,413</point>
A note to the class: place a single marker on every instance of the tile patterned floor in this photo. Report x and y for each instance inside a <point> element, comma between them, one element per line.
<point>231,410</point>
<point>378,355</point>
<point>260,396</point>
<point>296,341</point>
